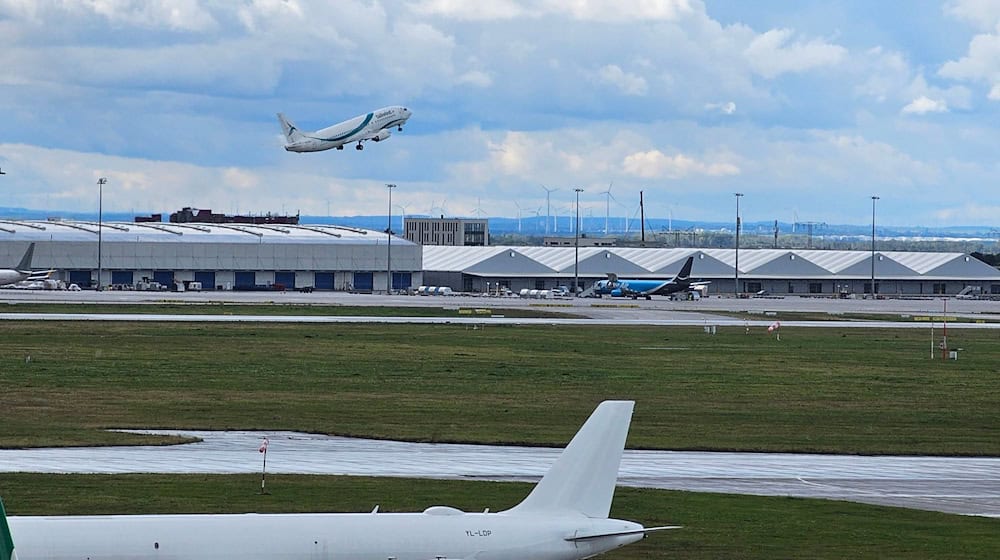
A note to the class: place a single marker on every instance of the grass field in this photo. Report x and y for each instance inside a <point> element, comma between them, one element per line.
<point>830,390</point>
<point>817,390</point>
<point>715,526</point>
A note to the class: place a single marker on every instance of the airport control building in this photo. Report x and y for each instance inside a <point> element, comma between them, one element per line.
<point>217,256</point>
<point>777,271</point>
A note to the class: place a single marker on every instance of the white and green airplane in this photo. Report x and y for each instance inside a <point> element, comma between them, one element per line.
<point>565,517</point>
<point>375,126</point>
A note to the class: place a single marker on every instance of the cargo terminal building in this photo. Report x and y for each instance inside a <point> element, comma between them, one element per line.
<point>777,271</point>
<point>217,256</point>
<point>229,256</point>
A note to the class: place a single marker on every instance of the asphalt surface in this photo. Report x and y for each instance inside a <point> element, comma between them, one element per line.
<point>603,309</point>
<point>963,485</point>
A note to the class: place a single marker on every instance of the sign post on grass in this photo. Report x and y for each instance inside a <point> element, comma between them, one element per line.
<point>263,470</point>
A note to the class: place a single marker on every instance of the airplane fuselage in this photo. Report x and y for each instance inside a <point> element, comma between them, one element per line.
<point>637,287</point>
<point>375,126</point>
<point>374,536</point>
<point>9,276</point>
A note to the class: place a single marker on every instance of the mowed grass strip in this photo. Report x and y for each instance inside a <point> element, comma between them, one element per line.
<point>816,390</point>
<point>715,526</point>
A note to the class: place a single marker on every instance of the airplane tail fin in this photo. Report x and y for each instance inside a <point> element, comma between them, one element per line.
<point>6,541</point>
<point>685,274</point>
<point>583,477</point>
<point>25,263</point>
<point>289,129</point>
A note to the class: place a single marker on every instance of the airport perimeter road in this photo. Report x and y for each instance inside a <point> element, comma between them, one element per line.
<point>964,485</point>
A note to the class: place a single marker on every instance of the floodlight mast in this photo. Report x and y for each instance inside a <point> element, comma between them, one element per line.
<point>736,268</point>
<point>100,221</point>
<point>576,246</point>
<point>874,198</point>
<point>388,244</point>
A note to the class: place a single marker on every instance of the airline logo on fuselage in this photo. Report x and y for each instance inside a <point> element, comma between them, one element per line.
<point>383,114</point>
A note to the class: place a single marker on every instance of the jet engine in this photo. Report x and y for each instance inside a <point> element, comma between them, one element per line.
<point>617,292</point>
<point>382,135</point>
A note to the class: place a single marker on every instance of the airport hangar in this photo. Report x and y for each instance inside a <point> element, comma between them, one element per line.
<point>218,256</point>
<point>327,257</point>
<point>778,271</point>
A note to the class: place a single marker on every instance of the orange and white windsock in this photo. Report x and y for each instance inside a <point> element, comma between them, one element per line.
<point>774,326</point>
<point>263,446</point>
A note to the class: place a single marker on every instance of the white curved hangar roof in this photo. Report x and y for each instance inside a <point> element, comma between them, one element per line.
<point>165,232</point>
<point>68,245</point>
<point>709,263</point>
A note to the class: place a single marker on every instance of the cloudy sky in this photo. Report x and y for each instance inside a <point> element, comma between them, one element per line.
<point>809,107</point>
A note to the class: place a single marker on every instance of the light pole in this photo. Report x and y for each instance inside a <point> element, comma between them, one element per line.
<point>388,245</point>
<point>874,198</point>
<point>100,227</point>
<point>576,247</point>
<point>736,268</point>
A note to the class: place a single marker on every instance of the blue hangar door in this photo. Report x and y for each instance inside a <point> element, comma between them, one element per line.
<point>206,277</point>
<point>121,277</point>
<point>364,281</point>
<point>164,277</point>
<point>286,279</point>
<point>245,280</point>
<point>323,280</point>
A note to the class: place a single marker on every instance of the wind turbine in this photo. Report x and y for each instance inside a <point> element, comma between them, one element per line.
<point>548,211</point>
<point>607,206</point>
<point>478,210</point>
<point>402,217</point>
<point>518,216</point>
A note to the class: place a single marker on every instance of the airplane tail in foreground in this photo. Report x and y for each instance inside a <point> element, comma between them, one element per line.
<point>25,264</point>
<point>6,541</point>
<point>289,129</point>
<point>583,477</point>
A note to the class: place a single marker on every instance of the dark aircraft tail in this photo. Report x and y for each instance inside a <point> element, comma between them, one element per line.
<point>684,276</point>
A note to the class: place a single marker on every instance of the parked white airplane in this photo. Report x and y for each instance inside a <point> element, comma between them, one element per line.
<point>370,126</point>
<point>23,270</point>
<point>565,517</point>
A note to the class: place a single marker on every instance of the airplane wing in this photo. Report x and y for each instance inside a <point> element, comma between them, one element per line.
<point>40,274</point>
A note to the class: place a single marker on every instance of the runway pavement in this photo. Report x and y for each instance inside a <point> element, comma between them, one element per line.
<point>963,485</point>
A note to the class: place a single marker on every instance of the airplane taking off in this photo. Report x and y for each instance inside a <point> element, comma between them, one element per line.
<point>370,126</point>
<point>565,517</point>
<point>616,287</point>
<point>23,270</point>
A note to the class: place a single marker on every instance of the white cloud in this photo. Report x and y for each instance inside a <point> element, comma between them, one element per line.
<point>980,64</point>
<point>174,15</point>
<point>476,78</point>
<point>984,14</point>
<point>654,164</point>
<point>994,94</point>
<point>626,82</point>
<point>591,10</point>
<point>771,54</point>
<point>923,105</point>
<point>470,11</point>
<point>727,108</point>
<point>622,10</point>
